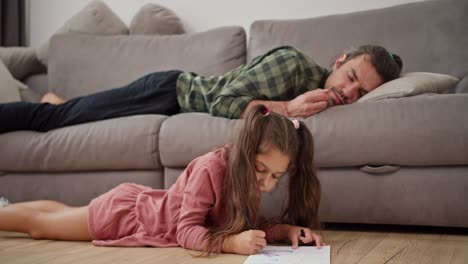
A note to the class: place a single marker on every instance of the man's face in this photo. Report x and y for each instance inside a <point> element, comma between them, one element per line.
<point>351,80</point>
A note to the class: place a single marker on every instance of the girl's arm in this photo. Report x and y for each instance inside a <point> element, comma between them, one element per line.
<point>200,195</point>
<point>198,198</point>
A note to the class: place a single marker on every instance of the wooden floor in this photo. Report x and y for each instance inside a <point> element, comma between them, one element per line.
<point>349,244</point>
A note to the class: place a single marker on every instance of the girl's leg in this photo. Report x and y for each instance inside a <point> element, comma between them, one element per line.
<point>44,205</point>
<point>45,220</point>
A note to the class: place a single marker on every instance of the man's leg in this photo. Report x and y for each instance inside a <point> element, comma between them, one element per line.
<point>26,116</point>
<point>152,94</point>
<point>44,220</point>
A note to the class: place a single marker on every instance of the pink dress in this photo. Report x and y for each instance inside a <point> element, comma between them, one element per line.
<point>132,215</point>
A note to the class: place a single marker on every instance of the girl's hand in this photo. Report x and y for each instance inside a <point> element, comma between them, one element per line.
<point>294,234</point>
<point>246,243</point>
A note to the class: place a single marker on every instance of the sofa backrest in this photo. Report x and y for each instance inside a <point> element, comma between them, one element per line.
<point>82,64</point>
<point>429,36</point>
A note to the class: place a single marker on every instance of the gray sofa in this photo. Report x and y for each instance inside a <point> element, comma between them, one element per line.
<point>395,161</point>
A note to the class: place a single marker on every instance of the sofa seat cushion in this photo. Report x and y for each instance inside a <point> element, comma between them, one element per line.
<point>184,137</point>
<point>128,143</point>
<point>424,130</point>
<point>412,131</point>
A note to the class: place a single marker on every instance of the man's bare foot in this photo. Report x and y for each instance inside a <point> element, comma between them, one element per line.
<point>51,98</point>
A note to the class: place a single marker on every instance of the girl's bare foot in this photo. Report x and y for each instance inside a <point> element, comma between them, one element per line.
<point>51,98</point>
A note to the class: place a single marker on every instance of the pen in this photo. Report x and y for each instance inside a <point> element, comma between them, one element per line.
<point>302,233</point>
<point>246,218</point>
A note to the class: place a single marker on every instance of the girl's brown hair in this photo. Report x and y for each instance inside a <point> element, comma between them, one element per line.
<point>259,131</point>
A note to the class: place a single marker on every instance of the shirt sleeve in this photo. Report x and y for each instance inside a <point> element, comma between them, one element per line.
<point>198,198</point>
<point>230,106</point>
<point>276,77</point>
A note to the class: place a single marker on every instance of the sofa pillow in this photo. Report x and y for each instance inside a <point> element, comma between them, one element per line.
<point>21,61</point>
<point>411,84</point>
<point>9,87</point>
<point>462,85</point>
<point>154,19</point>
<point>95,18</point>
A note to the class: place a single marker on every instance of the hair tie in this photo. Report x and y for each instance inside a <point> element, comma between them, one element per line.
<point>265,111</point>
<point>295,123</point>
<point>391,55</point>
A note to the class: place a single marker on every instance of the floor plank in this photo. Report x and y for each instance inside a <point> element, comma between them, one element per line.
<point>352,246</point>
<point>459,254</point>
<point>382,245</point>
<point>395,249</point>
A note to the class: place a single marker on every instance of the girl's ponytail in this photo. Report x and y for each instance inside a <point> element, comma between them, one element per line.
<point>304,186</point>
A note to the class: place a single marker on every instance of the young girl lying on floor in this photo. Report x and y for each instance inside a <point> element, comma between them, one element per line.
<point>213,206</point>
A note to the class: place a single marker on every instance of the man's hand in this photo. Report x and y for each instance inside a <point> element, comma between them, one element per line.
<point>308,103</point>
<point>245,243</point>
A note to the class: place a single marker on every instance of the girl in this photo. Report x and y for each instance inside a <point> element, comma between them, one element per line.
<point>213,206</point>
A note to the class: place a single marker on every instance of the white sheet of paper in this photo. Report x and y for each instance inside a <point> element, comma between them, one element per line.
<point>285,254</point>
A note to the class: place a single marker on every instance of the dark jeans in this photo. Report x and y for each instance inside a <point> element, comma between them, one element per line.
<point>154,93</point>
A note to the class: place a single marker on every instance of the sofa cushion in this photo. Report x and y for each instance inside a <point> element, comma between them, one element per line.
<point>411,84</point>
<point>462,85</point>
<point>75,69</point>
<point>414,131</point>
<point>29,95</point>
<point>21,61</point>
<point>72,188</point>
<point>184,137</point>
<point>128,143</point>
<point>154,19</point>
<point>37,86</point>
<point>9,87</point>
<point>94,18</point>
<point>429,36</point>
<point>424,130</point>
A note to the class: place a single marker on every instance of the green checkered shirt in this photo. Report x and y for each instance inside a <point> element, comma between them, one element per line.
<point>279,75</point>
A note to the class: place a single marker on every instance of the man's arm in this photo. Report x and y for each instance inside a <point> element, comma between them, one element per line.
<point>304,105</point>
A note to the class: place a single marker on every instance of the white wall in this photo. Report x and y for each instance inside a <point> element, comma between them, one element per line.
<point>46,16</point>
